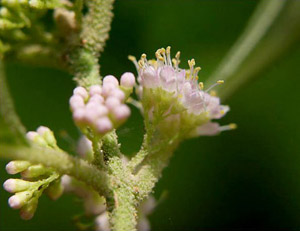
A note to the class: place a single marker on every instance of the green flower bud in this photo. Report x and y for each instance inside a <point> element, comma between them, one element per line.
<point>34,171</point>
<point>36,138</point>
<point>55,190</point>
<point>28,210</point>
<point>16,166</point>
<point>47,135</point>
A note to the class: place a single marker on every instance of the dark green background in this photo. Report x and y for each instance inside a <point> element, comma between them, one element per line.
<point>243,179</point>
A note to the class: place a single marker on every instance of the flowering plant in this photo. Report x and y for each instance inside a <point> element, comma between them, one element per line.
<point>175,105</point>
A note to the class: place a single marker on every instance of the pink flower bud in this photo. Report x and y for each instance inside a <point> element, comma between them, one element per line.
<point>16,185</point>
<point>66,182</point>
<point>42,130</point>
<point>81,92</point>
<point>31,135</point>
<point>110,79</point>
<point>93,113</point>
<point>117,93</point>
<point>103,125</point>
<point>121,112</point>
<point>15,202</point>
<point>9,185</point>
<point>84,146</point>
<point>16,166</point>
<point>112,102</point>
<point>127,80</point>
<point>76,101</point>
<point>95,90</point>
<point>108,88</point>
<point>19,199</point>
<point>78,115</point>
<point>102,222</point>
<point>97,99</point>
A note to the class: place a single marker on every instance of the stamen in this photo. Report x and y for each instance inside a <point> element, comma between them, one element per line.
<point>163,52</point>
<point>191,65</point>
<point>212,86</point>
<point>145,62</point>
<point>141,63</point>
<point>133,59</point>
<point>158,56</point>
<point>168,52</point>
<point>228,127</point>
<point>177,56</point>
<point>197,69</point>
<point>174,61</point>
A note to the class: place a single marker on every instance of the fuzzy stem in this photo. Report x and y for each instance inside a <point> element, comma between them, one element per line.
<point>151,170</point>
<point>140,156</point>
<point>95,27</point>
<point>124,214</point>
<point>62,162</point>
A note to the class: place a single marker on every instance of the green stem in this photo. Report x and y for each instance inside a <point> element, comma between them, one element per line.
<point>140,156</point>
<point>259,24</point>
<point>124,214</point>
<point>12,129</point>
<point>95,26</point>
<point>62,162</point>
<point>151,169</point>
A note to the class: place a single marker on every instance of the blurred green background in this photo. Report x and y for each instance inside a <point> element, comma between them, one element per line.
<point>248,178</point>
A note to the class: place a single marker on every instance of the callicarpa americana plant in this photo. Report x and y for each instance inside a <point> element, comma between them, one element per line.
<point>175,105</point>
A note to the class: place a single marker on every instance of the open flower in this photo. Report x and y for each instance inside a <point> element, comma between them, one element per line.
<point>174,100</point>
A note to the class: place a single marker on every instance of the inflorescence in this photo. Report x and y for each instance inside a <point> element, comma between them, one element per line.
<point>102,108</point>
<point>172,96</point>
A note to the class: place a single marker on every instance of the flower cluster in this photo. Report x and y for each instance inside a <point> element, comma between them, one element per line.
<point>173,96</point>
<point>102,108</point>
<point>36,179</point>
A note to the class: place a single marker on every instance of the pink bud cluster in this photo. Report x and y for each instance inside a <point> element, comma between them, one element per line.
<point>102,108</point>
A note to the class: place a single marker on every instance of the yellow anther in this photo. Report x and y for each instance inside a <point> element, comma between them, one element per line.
<point>177,56</point>
<point>162,50</point>
<point>197,77</point>
<point>131,58</point>
<point>168,50</point>
<point>222,112</point>
<point>197,69</point>
<point>201,85</point>
<point>143,56</point>
<point>220,81</point>
<point>233,126</point>
<point>191,63</point>
<point>161,59</point>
